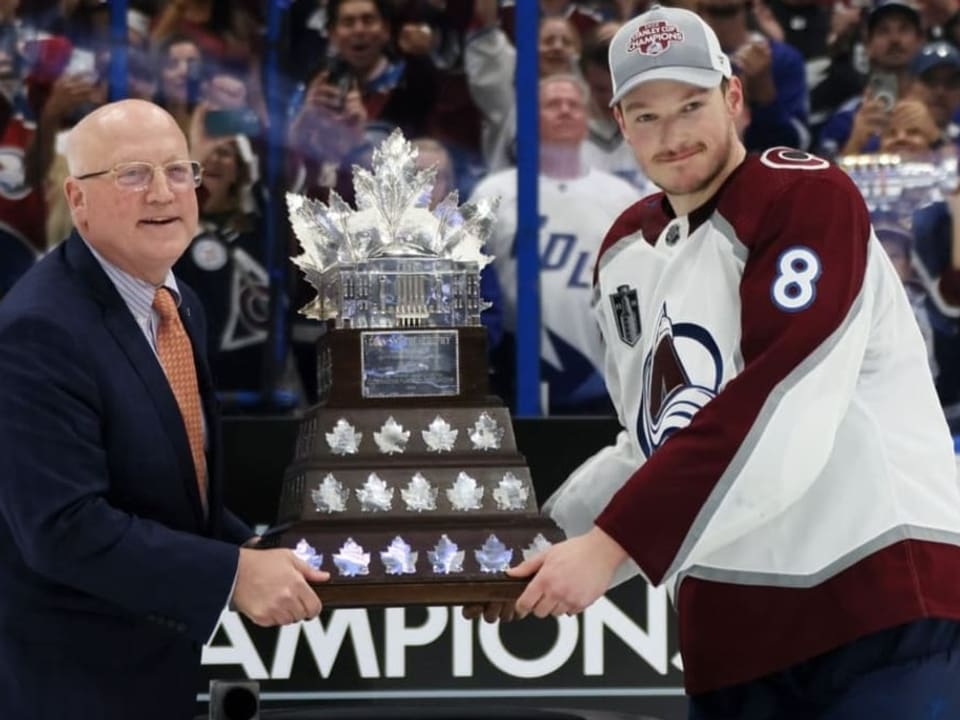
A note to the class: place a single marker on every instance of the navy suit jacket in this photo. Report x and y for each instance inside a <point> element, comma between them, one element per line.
<point>111,579</point>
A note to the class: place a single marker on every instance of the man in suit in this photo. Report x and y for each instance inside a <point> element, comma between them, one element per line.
<point>116,554</point>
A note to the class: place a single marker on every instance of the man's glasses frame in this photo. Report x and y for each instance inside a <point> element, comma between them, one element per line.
<point>137,176</point>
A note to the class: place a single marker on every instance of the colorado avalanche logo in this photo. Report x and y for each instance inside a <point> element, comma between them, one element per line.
<point>13,174</point>
<point>681,355</point>
<point>654,38</point>
<point>784,158</point>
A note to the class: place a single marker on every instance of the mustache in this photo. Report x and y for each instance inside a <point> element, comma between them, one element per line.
<point>667,155</point>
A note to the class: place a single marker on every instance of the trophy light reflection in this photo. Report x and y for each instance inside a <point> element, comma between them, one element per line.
<point>392,262</point>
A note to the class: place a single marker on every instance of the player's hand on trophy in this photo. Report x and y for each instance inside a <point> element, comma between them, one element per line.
<point>569,576</point>
<point>273,587</point>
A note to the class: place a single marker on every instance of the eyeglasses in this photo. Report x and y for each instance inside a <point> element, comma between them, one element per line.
<point>137,176</point>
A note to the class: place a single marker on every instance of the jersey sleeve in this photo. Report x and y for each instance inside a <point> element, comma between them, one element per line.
<point>588,489</point>
<point>755,448</point>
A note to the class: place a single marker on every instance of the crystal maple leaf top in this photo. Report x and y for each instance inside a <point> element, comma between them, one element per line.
<point>393,217</point>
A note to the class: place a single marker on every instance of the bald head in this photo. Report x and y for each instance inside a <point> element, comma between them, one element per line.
<point>143,227</point>
<point>90,141</point>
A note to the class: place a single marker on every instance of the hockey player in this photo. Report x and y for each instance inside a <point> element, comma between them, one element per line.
<point>784,468</point>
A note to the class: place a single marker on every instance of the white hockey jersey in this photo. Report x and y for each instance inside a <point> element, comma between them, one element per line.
<point>785,467</point>
<point>574,216</point>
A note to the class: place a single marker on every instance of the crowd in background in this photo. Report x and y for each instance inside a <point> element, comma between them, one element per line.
<point>834,78</point>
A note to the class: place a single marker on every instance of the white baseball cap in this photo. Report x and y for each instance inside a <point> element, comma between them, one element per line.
<point>666,44</point>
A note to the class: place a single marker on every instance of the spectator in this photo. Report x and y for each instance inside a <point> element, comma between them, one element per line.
<point>803,24</point>
<point>894,36</point>
<point>226,265</point>
<point>773,77</point>
<point>910,130</point>
<point>839,74</point>
<point>181,62</point>
<point>577,205</point>
<point>937,71</point>
<point>71,97</point>
<point>491,64</point>
<point>396,89</point>
<point>559,46</point>
<point>439,30</point>
<point>432,154</point>
<point>605,148</point>
<point>357,96</point>
<point>221,29</point>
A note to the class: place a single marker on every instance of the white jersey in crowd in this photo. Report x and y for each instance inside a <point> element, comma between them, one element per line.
<point>606,150</point>
<point>785,467</point>
<point>575,214</point>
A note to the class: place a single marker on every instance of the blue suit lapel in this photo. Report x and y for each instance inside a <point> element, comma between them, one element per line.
<point>120,323</point>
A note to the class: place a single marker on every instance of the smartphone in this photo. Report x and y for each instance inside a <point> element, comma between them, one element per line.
<point>883,86</point>
<point>219,123</point>
<point>194,78</point>
<point>81,62</point>
<point>340,73</point>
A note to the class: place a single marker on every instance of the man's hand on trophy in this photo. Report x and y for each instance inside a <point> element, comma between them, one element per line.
<point>273,587</point>
<point>569,576</point>
<point>491,611</point>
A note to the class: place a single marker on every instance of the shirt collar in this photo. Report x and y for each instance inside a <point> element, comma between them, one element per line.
<point>137,294</point>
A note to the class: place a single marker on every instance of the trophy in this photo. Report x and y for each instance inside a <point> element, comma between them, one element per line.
<point>896,185</point>
<point>406,484</point>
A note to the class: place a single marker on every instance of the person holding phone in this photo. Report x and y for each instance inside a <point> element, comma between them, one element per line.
<point>365,83</point>
<point>873,116</point>
<point>894,36</point>
<point>331,121</point>
<point>773,76</point>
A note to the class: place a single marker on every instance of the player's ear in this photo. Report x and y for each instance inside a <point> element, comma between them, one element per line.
<point>733,96</point>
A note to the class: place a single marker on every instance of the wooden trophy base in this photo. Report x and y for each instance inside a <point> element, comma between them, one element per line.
<point>410,499</point>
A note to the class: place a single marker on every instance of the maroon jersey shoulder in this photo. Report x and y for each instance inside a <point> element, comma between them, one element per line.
<point>768,188</point>
<point>647,216</point>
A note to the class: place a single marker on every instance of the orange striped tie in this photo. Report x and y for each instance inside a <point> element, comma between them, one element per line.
<point>176,357</point>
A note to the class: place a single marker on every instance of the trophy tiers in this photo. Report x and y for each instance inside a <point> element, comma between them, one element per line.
<point>406,484</point>
<point>411,505</point>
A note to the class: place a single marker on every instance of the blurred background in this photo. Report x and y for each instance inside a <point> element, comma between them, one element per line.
<point>506,99</point>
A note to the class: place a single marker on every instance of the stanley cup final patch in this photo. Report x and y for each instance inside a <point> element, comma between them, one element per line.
<point>654,38</point>
<point>626,313</point>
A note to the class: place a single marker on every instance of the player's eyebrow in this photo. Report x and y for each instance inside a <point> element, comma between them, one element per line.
<point>693,92</point>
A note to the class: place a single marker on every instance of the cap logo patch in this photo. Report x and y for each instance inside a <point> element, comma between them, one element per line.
<point>654,38</point>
